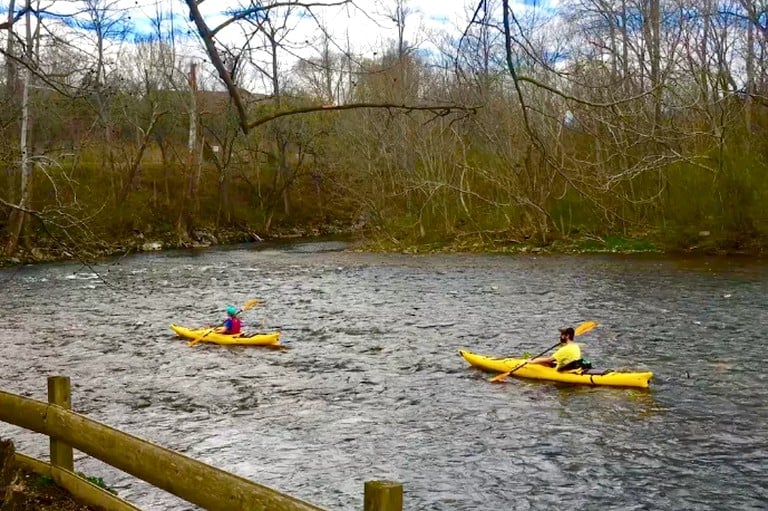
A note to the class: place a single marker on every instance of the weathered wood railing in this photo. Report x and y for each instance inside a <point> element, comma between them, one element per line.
<point>194,481</point>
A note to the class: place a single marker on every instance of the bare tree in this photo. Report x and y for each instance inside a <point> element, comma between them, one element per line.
<point>106,22</point>
<point>208,36</point>
<point>329,76</point>
<point>11,86</point>
<point>275,26</point>
<point>19,215</point>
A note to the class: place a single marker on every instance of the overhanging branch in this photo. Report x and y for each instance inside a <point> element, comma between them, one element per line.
<point>11,205</point>
<point>8,24</point>
<point>208,37</point>
<point>213,54</point>
<point>245,13</point>
<point>438,110</point>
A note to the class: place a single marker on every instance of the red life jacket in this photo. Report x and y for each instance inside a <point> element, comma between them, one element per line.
<point>232,325</point>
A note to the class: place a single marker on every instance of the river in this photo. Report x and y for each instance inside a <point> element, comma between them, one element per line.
<point>372,386</point>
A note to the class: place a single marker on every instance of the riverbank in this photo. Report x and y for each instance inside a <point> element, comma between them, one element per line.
<point>704,244</point>
<point>362,240</point>
<point>198,239</point>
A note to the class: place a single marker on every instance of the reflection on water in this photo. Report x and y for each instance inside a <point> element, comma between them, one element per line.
<point>616,404</point>
<point>372,386</point>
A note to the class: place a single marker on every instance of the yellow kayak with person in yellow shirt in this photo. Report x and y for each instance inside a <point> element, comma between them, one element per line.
<point>541,372</point>
<point>564,365</point>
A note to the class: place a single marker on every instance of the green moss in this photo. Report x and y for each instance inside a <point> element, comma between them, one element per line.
<point>43,481</point>
<point>98,481</point>
<point>615,244</point>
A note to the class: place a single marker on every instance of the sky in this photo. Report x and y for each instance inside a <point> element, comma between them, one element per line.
<point>370,29</point>
<point>367,24</point>
<point>364,30</point>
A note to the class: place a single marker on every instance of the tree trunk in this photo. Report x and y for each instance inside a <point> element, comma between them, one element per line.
<point>19,217</point>
<point>280,142</point>
<point>187,196</point>
<point>625,48</point>
<point>194,143</point>
<point>135,163</point>
<point>750,77</point>
<point>655,54</point>
<point>11,89</point>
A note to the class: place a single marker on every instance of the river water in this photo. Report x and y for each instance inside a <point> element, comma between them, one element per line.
<point>372,386</point>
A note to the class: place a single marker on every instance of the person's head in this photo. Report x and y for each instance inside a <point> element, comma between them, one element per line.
<point>231,311</point>
<point>566,334</point>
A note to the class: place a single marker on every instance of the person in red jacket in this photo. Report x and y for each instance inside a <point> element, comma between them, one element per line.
<point>232,324</point>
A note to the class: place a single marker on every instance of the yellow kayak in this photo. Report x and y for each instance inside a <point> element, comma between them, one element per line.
<point>269,339</point>
<point>540,372</point>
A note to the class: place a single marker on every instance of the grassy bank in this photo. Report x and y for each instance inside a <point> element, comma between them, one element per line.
<point>704,245</point>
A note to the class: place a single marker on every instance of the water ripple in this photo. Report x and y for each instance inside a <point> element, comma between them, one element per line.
<point>372,386</point>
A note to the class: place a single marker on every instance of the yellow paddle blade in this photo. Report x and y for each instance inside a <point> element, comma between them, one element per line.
<point>250,304</point>
<point>500,377</point>
<point>585,327</point>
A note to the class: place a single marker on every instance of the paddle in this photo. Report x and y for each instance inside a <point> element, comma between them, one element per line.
<point>581,329</point>
<point>250,304</point>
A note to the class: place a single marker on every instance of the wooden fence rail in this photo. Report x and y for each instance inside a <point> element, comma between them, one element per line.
<point>194,481</point>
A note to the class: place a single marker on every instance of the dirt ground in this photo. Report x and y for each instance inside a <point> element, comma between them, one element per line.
<point>21,490</point>
<point>34,493</point>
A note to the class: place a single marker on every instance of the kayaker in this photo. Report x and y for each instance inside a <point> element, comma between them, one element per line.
<point>232,324</point>
<point>568,355</point>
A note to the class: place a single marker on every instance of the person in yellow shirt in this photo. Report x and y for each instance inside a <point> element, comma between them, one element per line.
<point>568,355</point>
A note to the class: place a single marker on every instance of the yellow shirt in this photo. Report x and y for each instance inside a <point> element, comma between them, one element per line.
<point>567,354</point>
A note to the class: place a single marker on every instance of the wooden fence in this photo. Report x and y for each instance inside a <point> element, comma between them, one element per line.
<point>194,481</point>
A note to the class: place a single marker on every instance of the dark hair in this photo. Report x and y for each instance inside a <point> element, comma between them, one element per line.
<point>569,332</point>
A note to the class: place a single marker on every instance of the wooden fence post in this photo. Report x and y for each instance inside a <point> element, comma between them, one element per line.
<point>383,496</point>
<point>59,393</point>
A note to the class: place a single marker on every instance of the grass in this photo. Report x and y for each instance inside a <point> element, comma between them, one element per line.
<point>98,481</point>
<point>43,481</point>
<point>615,244</point>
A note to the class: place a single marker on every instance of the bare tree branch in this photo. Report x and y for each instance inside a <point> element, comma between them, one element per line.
<point>245,13</point>
<point>8,24</point>
<point>213,54</point>
<point>438,110</point>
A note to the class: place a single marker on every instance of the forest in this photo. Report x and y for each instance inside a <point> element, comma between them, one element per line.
<point>616,125</point>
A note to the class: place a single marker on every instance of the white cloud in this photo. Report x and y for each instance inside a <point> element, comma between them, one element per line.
<point>365,27</point>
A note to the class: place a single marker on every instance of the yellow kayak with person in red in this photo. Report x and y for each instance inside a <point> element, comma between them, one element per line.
<point>228,332</point>
<point>266,339</point>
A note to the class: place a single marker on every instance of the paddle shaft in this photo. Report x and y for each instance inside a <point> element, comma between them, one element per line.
<point>581,329</point>
<point>537,356</point>
<point>195,341</point>
<point>502,376</point>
